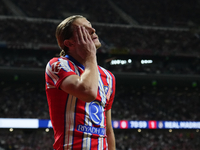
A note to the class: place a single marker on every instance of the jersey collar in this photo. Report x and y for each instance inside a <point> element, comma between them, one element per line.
<point>75,61</point>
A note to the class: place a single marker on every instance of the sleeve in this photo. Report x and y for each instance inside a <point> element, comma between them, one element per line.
<point>112,96</point>
<point>57,70</point>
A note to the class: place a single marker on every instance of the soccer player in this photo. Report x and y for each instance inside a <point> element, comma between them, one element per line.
<point>79,92</point>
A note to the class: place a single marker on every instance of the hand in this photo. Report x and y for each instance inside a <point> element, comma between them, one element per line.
<point>84,45</point>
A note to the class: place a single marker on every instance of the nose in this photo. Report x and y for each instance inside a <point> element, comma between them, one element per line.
<point>91,30</point>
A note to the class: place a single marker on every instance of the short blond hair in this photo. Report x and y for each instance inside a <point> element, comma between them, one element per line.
<point>65,31</point>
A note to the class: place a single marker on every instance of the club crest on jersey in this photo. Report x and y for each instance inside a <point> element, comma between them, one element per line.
<point>56,67</point>
<point>96,112</point>
<point>107,91</point>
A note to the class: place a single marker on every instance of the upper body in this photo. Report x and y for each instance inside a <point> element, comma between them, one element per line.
<point>79,92</point>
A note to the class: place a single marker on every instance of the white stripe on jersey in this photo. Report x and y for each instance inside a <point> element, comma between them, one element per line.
<point>86,136</point>
<point>86,141</point>
<point>87,117</point>
<point>103,98</point>
<point>65,65</point>
<point>102,91</point>
<point>100,143</point>
<point>69,121</point>
<point>51,74</point>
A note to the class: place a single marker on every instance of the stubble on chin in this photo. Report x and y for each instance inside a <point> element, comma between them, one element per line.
<point>97,45</point>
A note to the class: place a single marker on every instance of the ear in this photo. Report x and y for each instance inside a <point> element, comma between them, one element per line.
<point>68,43</point>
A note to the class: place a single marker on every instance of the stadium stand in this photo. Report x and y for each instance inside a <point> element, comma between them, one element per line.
<point>125,139</point>
<point>58,10</point>
<point>165,32</point>
<point>28,100</point>
<point>165,13</point>
<point>24,32</point>
<point>4,10</point>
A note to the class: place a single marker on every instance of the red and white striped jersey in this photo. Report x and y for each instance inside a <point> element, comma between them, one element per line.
<point>77,125</point>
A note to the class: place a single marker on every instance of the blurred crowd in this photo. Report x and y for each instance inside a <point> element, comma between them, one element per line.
<point>156,13</point>
<point>20,31</point>
<point>23,101</point>
<point>150,41</point>
<point>148,103</point>
<point>157,140</point>
<point>162,13</point>
<point>25,58</point>
<point>27,139</point>
<point>4,10</point>
<point>125,139</point>
<point>99,11</point>
<point>28,100</point>
<point>115,39</point>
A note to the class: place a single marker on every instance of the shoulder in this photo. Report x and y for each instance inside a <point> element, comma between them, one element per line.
<point>58,68</point>
<point>59,61</point>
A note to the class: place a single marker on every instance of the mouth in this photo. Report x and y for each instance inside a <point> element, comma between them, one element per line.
<point>94,38</point>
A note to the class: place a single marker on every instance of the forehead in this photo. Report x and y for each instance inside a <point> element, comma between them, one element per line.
<point>82,22</point>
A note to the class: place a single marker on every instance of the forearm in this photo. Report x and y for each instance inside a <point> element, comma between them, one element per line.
<point>111,140</point>
<point>85,86</point>
<point>89,80</point>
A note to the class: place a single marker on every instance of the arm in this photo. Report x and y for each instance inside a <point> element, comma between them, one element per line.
<point>109,131</point>
<point>85,86</point>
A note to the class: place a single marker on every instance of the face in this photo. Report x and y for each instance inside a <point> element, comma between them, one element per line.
<point>84,22</point>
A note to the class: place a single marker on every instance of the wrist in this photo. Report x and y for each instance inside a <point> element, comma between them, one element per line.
<point>90,61</point>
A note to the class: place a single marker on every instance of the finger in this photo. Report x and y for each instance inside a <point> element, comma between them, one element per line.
<point>88,35</point>
<point>75,33</point>
<point>85,35</point>
<point>80,34</point>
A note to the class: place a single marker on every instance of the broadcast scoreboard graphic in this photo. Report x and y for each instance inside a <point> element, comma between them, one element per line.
<point>117,124</point>
<point>153,124</point>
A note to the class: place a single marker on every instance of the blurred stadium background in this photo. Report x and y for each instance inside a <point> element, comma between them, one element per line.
<point>152,47</point>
